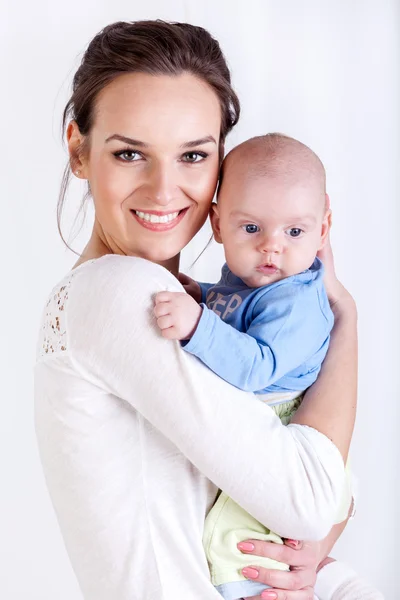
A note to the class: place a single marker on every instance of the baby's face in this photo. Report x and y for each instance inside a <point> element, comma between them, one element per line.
<point>270,229</point>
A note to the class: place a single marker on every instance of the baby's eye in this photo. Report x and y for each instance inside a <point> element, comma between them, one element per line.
<point>251,228</point>
<point>294,232</point>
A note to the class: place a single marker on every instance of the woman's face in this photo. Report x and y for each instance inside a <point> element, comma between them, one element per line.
<point>152,163</point>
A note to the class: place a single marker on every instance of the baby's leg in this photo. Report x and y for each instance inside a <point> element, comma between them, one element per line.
<point>226,525</point>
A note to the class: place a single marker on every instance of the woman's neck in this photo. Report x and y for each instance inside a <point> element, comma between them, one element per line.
<point>99,246</point>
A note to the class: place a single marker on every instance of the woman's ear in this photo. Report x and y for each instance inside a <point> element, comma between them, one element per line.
<point>75,141</point>
<point>214,218</point>
<point>325,227</point>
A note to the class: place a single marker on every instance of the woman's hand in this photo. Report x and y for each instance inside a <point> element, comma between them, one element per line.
<point>336,291</point>
<point>296,584</point>
<point>340,299</point>
<point>191,287</point>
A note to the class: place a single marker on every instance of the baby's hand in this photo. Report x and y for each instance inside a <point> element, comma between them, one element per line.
<point>191,286</point>
<point>177,315</point>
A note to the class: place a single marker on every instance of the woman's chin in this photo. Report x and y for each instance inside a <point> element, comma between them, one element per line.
<point>161,256</point>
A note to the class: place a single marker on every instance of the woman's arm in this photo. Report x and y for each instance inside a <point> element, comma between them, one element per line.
<point>330,404</point>
<point>289,478</point>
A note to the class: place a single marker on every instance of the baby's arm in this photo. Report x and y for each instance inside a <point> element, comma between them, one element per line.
<point>284,332</point>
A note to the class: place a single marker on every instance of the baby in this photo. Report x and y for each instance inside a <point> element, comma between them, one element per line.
<point>265,326</point>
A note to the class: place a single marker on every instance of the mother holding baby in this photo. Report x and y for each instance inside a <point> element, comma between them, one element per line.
<point>135,435</point>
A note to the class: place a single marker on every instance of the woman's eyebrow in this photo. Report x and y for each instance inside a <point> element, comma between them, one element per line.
<point>199,142</point>
<point>126,140</point>
<point>132,142</point>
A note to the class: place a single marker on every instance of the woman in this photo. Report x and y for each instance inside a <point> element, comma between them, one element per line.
<point>135,436</point>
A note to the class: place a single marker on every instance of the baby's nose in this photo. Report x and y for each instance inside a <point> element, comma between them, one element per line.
<point>270,244</point>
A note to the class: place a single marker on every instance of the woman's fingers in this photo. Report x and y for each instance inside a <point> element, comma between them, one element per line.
<point>334,288</point>
<point>306,594</point>
<point>294,580</point>
<point>282,553</point>
<point>184,279</point>
<point>294,584</point>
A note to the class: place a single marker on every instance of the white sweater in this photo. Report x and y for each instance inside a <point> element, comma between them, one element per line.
<point>135,436</point>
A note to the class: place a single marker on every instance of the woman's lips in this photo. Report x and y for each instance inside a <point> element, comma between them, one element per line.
<point>166,220</point>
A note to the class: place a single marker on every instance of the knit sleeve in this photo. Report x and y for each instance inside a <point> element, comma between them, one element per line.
<point>289,478</point>
<point>337,581</point>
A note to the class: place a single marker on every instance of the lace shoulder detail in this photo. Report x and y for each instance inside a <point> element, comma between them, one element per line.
<point>53,334</point>
<point>53,330</point>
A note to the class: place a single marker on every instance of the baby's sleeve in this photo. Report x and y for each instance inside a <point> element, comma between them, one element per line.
<point>291,322</point>
<point>204,287</point>
<point>284,329</point>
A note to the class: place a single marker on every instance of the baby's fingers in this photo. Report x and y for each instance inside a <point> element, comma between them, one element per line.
<point>170,333</point>
<point>165,322</point>
<point>164,303</point>
<point>164,297</point>
<point>162,309</point>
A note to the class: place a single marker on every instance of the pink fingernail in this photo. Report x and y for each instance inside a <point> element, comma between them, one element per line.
<point>250,572</point>
<point>269,596</point>
<point>246,546</point>
<point>293,543</point>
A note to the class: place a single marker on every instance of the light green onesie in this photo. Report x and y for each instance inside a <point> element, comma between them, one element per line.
<point>227,523</point>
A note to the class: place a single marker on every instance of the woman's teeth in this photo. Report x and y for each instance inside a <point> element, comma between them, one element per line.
<point>156,218</point>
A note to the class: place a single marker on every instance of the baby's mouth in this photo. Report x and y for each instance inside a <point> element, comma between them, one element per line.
<point>268,268</point>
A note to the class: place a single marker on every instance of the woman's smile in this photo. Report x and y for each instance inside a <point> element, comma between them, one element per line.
<point>159,221</point>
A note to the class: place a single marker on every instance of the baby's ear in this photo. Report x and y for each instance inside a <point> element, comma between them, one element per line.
<point>214,218</point>
<point>327,202</point>
<point>325,227</point>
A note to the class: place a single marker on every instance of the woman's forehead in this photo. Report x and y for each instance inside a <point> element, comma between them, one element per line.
<point>156,107</point>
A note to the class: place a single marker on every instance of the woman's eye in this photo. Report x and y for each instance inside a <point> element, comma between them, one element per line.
<point>294,232</point>
<point>128,155</point>
<point>194,157</point>
<point>251,228</point>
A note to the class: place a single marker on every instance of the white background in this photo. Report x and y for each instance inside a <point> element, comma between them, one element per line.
<point>324,72</point>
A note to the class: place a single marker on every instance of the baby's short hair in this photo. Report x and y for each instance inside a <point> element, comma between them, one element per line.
<point>276,155</point>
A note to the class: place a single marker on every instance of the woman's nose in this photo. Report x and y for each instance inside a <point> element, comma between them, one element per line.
<point>162,184</point>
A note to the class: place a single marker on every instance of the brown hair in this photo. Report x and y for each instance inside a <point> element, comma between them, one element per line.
<point>153,47</point>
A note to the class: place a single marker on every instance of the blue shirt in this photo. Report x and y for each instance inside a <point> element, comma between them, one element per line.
<point>267,339</point>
